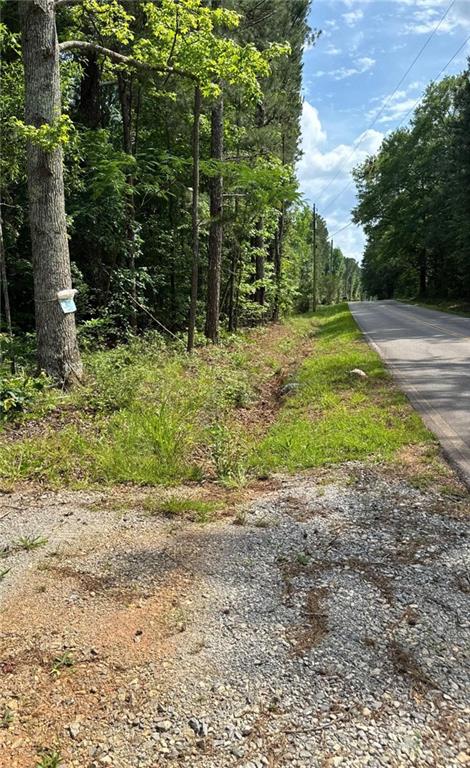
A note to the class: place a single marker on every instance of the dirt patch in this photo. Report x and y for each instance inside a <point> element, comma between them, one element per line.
<point>308,635</point>
<point>370,572</point>
<point>405,664</point>
<point>55,420</point>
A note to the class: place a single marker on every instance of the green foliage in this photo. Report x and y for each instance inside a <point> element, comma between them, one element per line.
<point>174,506</point>
<point>48,136</point>
<point>18,393</point>
<point>64,661</point>
<point>28,543</point>
<point>49,758</point>
<point>228,455</point>
<point>128,212</point>
<point>6,718</point>
<point>338,277</point>
<point>414,200</point>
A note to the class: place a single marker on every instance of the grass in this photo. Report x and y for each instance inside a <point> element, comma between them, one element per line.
<point>152,415</point>
<point>50,758</point>
<point>189,509</point>
<point>146,416</point>
<point>28,543</point>
<point>451,306</point>
<point>334,416</point>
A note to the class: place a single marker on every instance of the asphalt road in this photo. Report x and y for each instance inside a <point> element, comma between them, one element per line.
<point>429,353</point>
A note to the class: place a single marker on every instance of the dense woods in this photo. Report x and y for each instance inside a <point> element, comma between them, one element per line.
<point>414,200</point>
<point>148,162</point>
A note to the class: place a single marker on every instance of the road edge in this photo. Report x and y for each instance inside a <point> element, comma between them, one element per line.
<point>456,451</point>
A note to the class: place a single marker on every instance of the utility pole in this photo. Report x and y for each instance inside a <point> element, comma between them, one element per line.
<point>314,225</point>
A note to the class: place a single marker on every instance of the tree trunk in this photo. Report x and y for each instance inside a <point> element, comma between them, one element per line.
<point>278,244</point>
<point>125,98</point>
<point>232,319</point>
<point>216,211</point>
<point>195,218</point>
<point>89,106</point>
<point>258,243</point>
<point>58,352</point>
<point>5,292</point>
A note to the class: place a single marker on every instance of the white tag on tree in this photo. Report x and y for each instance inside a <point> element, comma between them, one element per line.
<point>66,300</point>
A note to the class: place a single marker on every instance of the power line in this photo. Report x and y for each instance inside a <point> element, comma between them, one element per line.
<point>342,191</point>
<point>342,229</point>
<point>359,141</point>
<point>433,81</point>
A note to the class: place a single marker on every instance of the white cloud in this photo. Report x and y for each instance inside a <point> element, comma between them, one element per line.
<point>324,172</point>
<point>427,13</point>
<point>361,65</point>
<point>352,17</point>
<point>391,109</point>
<point>332,50</point>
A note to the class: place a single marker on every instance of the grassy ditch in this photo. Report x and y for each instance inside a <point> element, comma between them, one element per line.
<point>335,416</point>
<point>150,415</point>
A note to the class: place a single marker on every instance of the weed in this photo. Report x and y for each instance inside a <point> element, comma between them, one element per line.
<point>17,393</point>
<point>228,456</point>
<point>64,661</point>
<point>29,543</point>
<point>6,718</point>
<point>303,558</point>
<point>49,758</point>
<point>4,573</point>
<point>191,509</point>
<point>263,522</point>
<point>240,517</point>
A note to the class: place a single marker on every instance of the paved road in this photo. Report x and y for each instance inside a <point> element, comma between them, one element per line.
<point>429,353</point>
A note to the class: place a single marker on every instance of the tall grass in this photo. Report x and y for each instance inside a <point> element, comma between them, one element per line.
<point>151,415</point>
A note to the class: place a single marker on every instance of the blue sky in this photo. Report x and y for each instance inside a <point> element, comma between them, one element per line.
<point>364,49</point>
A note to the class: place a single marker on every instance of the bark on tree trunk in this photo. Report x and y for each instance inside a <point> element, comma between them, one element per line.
<point>278,243</point>
<point>125,98</point>
<point>216,211</point>
<point>195,218</point>
<point>232,320</point>
<point>258,243</point>
<point>58,352</point>
<point>5,292</point>
<point>89,106</point>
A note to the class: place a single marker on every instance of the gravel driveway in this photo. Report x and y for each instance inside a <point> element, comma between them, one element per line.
<point>325,624</point>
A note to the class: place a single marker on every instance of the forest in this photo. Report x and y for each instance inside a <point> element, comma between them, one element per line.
<point>149,164</point>
<point>414,201</point>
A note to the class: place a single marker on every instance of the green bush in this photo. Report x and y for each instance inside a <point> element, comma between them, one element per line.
<point>19,392</point>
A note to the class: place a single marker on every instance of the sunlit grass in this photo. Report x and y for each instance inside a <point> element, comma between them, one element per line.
<point>335,416</point>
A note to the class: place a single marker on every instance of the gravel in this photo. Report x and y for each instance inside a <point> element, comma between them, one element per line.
<point>330,629</point>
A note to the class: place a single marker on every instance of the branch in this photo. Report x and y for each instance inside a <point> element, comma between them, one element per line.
<point>119,58</point>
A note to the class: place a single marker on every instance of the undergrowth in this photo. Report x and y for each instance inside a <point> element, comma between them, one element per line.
<point>147,414</point>
<point>151,415</point>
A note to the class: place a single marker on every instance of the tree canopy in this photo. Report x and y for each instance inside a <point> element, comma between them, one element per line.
<point>414,200</point>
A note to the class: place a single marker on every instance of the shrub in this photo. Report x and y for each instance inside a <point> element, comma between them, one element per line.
<point>19,392</point>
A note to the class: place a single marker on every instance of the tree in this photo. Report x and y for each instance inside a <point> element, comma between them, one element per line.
<point>124,131</point>
<point>57,345</point>
<point>413,200</point>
